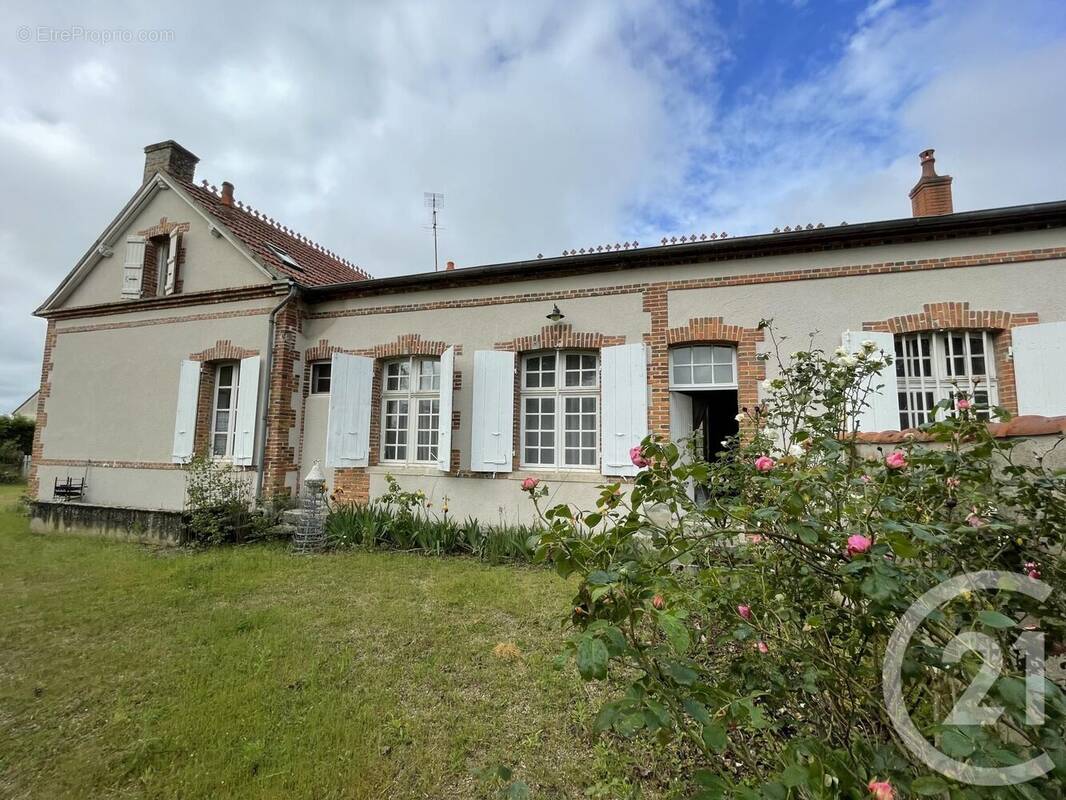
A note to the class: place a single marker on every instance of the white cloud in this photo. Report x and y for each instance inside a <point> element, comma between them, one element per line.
<point>547,125</point>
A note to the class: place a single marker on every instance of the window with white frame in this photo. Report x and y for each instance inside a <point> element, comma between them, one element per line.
<point>162,258</point>
<point>410,410</point>
<point>224,411</point>
<point>935,366</point>
<point>560,410</point>
<point>703,366</point>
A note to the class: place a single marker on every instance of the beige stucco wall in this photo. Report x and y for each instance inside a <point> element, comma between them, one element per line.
<point>210,262</point>
<point>28,409</point>
<point>827,305</point>
<point>114,396</point>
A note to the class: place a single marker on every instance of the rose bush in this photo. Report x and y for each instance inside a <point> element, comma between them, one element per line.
<point>753,627</point>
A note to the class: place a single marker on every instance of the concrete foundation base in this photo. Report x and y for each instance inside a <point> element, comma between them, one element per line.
<point>128,524</point>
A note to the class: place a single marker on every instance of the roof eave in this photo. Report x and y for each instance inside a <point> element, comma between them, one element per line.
<point>967,222</point>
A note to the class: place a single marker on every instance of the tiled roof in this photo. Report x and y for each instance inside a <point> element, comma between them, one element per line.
<point>316,266</point>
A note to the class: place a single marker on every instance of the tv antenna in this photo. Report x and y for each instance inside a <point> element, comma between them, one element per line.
<point>435,202</point>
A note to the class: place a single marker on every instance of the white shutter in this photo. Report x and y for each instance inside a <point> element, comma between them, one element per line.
<point>172,262</point>
<point>492,426</point>
<point>680,418</point>
<point>185,418</point>
<point>348,434</point>
<point>1040,368</point>
<point>882,409</point>
<point>133,268</point>
<point>624,379</point>
<point>247,406</point>
<point>444,423</point>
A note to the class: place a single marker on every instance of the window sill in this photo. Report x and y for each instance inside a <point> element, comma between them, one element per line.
<point>386,468</point>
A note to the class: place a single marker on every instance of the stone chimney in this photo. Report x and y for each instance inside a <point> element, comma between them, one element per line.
<point>169,157</point>
<point>931,195</point>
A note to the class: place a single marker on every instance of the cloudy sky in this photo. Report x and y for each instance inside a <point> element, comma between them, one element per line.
<point>547,124</point>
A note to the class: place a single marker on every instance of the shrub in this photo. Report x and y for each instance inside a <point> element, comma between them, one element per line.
<point>218,504</point>
<point>754,627</point>
<point>10,462</point>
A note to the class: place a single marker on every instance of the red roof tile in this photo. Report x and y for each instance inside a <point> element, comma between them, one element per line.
<point>316,265</point>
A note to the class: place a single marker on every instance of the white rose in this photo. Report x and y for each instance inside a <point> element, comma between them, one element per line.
<point>848,360</point>
<point>868,344</point>
<point>840,351</point>
<point>796,450</point>
<point>740,417</point>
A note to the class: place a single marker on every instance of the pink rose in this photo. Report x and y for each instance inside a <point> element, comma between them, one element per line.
<point>1032,569</point>
<point>755,538</point>
<point>764,463</point>
<point>953,482</point>
<point>897,459</point>
<point>637,457</point>
<point>962,404</point>
<point>866,478</point>
<point>881,790</point>
<point>857,544</point>
<point>974,520</point>
<point>658,602</point>
<point>744,611</point>
<point>529,484</point>
<point>762,648</point>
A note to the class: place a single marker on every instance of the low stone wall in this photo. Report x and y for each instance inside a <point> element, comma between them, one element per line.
<point>128,524</point>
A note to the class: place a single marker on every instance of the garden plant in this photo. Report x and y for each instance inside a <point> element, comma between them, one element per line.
<point>751,630</point>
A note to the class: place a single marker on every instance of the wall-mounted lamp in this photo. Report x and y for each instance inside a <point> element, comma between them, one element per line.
<point>556,314</point>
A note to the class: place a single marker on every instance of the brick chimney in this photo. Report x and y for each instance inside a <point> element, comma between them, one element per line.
<point>931,195</point>
<point>227,193</point>
<point>169,157</point>
<point>449,266</point>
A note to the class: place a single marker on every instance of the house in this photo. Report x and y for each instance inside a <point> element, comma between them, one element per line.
<point>198,324</point>
<point>28,408</point>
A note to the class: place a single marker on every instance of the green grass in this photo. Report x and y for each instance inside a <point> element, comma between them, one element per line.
<point>249,672</point>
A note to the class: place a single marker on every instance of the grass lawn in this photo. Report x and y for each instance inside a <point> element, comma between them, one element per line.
<point>249,672</point>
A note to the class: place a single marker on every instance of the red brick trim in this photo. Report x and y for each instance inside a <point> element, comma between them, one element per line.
<point>164,228</point>
<point>37,450</point>
<point>223,350</point>
<point>407,344</point>
<point>751,279</point>
<point>959,316</point>
<point>701,330</point>
<point>213,297</point>
<point>1028,425</point>
<point>351,485</point>
<point>560,336</point>
<point>81,462</point>
<point>279,460</point>
<point>114,326</point>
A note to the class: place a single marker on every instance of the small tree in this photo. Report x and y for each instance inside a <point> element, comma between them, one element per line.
<point>755,627</point>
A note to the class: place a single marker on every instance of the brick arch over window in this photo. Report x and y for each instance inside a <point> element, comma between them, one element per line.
<point>155,235</point>
<point>558,336</point>
<point>959,316</point>
<point>222,350</point>
<point>352,484</point>
<point>713,330</point>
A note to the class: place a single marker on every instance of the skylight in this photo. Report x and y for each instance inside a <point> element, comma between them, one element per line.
<point>284,257</point>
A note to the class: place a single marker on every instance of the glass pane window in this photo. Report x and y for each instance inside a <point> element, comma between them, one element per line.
<point>320,377</point>
<point>410,410</point>
<point>428,430</point>
<point>706,366</point>
<point>560,410</point>
<point>223,415</point>
<point>936,366</point>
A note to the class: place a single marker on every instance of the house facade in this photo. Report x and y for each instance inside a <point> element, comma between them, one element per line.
<point>196,324</point>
